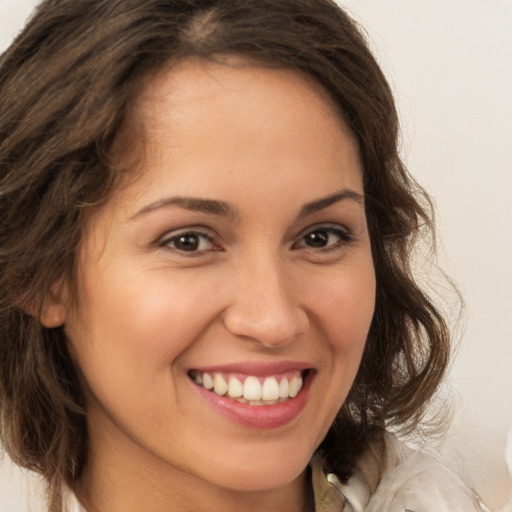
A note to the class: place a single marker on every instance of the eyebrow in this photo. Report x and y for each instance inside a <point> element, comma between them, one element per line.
<point>224,209</point>
<point>208,206</point>
<point>325,202</point>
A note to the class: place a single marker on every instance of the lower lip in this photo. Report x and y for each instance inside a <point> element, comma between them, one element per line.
<point>258,416</point>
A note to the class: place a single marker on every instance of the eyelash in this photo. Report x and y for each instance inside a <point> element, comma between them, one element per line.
<point>201,235</point>
<point>343,234</point>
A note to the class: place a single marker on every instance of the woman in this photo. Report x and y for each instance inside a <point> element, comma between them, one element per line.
<point>205,263</point>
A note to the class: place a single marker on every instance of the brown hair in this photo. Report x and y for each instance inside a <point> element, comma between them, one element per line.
<point>65,87</point>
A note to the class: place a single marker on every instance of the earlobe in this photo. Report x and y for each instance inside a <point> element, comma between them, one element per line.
<point>53,313</point>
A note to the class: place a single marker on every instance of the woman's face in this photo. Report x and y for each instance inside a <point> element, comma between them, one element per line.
<point>239,258</point>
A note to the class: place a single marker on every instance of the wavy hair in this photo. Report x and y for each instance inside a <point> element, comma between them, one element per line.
<point>66,87</point>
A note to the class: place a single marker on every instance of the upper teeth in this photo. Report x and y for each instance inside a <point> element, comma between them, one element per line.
<point>251,388</point>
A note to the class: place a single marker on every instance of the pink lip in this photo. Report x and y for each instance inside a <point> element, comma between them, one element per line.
<point>258,369</point>
<point>256,416</point>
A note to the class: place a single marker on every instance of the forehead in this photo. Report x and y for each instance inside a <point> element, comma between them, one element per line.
<point>191,86</point>
<point>200,118</point>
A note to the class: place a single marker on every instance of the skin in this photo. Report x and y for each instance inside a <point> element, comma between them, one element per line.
<point>266,143</point>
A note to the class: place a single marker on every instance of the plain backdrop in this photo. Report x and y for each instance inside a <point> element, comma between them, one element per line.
<point>450,65</point>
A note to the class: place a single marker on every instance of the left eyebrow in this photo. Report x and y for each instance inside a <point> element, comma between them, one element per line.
<point>325,202</point>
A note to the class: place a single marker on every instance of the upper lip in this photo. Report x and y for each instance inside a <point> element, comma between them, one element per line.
<point>258,369</point>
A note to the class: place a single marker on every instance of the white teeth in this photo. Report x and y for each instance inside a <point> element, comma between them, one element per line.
<point>295,386</point>
<point>270,389</point>
<point>235,388</point>
<point>207,381</point>
<point>220,386</point>
<point>283,388</point>
<point>252,388</point>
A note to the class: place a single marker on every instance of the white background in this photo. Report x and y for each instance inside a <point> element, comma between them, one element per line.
<point>450,64</point>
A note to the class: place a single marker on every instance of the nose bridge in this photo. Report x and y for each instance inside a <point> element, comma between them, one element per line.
<point>264,305</point>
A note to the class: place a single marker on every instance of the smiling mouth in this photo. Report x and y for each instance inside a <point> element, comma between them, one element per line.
<point>251,389</point>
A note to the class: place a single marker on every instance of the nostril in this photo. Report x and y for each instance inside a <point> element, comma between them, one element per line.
<point>268,327</point>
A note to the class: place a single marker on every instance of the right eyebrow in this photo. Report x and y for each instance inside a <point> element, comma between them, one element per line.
<point>325,202</point>
<point>196,204</point>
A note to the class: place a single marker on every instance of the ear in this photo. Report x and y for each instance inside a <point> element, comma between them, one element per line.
<point>53,312</point>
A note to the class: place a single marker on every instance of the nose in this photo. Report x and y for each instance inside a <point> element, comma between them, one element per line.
<point>265,306</point>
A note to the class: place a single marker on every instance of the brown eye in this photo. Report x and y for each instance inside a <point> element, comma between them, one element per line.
<point>190,241</point>
<point>325,238</point>
<point>318,238</point>
<point>187,242</point>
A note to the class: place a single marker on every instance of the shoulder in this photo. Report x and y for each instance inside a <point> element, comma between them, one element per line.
<point>411,480</point>
<point>396,478</point>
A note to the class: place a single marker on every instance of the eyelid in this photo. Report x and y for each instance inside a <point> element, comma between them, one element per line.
<point>346,235</point>
<point>202,232</point>
<point>333,226</point>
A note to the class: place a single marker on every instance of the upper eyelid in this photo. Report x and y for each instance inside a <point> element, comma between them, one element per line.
<point>199,230</point>
<point>333,226</point>
<point>166,241</point>
<point>348,235</point>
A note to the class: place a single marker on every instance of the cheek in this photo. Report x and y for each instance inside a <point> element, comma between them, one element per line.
<point>343,304</point>
<point>167,313</point>
<point>133,328</point>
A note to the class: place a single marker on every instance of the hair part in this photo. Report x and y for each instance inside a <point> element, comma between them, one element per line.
<point>67,87</point>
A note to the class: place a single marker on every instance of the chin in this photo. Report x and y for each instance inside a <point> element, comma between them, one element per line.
<point>260,473</point>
